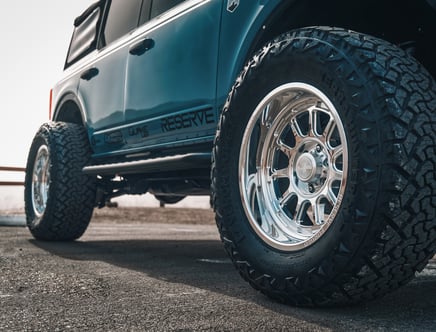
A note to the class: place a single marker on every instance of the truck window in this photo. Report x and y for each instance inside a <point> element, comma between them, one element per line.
<point>85,33</point>
<point>122,18</point>
<point>145,12</point>
<point>160,6</point>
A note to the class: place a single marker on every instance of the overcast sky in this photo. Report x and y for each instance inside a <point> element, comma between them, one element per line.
<point>35,39</point>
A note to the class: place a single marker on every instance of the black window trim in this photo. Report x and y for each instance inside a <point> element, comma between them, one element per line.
<point>147,15</point>
<point>150,17</point>
<point>101,40</point>
<point>103,4</point>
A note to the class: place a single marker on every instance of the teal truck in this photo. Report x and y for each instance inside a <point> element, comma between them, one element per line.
<point>310,123</point>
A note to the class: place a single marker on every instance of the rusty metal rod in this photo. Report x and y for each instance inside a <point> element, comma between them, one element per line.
<point>10,183</point>
<point>12,169</point>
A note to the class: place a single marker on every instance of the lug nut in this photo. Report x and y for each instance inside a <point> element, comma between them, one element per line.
<point>318,148</point>
<point>311,188</point>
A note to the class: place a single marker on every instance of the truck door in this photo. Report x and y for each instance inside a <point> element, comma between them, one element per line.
<point>102,82</point>
<point>171,75</point>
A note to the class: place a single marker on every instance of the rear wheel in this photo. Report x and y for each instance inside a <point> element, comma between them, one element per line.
<point>59,198</point>
<point>323,172</point>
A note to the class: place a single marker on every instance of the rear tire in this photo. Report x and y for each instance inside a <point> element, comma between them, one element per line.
<point>293,233</point>
<point>59,198</point>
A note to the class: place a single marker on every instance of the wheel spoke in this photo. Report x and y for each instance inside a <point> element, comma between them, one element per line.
<point>287,195</point>
<point>265,223</point>
<point>286,149</point>
<point>299,211</point>
<point>280,173</point>
<point>296,130</point>
<point>336,153</point>
<point>312,122</point>
<point>319,209</point>
<point>271,112</point>
<point>251,183</point>
<point>256,203</point>
<point>261,142</point>
<point>250,189</point>
<point>336,175</point>
<point>331,196</point>
<point>316,212</point>
<point>329,130</point>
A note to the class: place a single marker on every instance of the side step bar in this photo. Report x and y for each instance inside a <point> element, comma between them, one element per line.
<point>172,163</point>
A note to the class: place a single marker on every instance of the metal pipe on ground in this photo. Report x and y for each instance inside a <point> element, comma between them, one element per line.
<point>12,220</point>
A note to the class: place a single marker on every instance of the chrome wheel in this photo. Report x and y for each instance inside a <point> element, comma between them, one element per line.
<point>292,166</point>
<point>41,181</point>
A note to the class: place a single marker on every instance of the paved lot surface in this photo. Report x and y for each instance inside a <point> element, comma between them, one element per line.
<point>142,275</point>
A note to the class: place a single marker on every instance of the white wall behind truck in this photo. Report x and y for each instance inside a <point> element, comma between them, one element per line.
<point>36,36</point>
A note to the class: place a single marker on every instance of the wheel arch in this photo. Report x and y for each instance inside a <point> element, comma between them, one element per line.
<point>68,109</point>
<point>381,19</point>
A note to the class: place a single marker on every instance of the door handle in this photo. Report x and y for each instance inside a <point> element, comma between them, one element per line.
<point>89,74</point>
<point>139,48</point>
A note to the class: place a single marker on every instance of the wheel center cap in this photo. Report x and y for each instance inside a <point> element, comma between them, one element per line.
<point>306,167</point>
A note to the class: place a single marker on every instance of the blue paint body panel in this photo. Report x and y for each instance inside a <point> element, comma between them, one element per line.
<point>171,95</point>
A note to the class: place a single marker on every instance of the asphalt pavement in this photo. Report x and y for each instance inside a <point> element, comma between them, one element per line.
<point>169,277</point>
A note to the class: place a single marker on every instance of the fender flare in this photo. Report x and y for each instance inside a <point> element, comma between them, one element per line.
<point>66,99</point>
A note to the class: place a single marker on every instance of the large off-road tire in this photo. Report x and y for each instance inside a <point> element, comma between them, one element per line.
<point>323,172</point>
<point>59,198</point>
